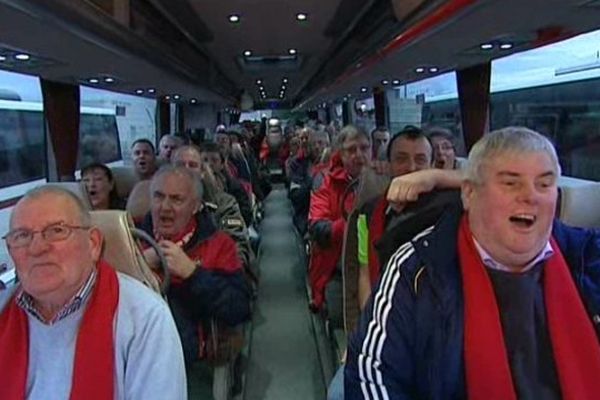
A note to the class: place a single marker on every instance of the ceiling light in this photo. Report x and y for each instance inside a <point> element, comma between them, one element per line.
<point>433,69</point>
<point>2,58</point>
<point>139,91</point>
<point>193,101</point>
<point>261,88</point>
<point>283,87</point>
<point>22,57</point>
<point>259,81</point>
<point>285,80</point>
<point>292,51</point>
<point>385,82</point>
<point>151,90</point>
<point>396,82</point>
<point>506,46</point>
<point>301,16</point>
<point>93,80</point>
<point>420,70</point>
<point>363,90</point>
<point>176,96</point>
<point>108,79</point>
<point>247,53</point>
<point>167,97</point>
<point>234,18</point>
<point>486,46</point>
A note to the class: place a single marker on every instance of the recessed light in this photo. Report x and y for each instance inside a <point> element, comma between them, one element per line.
<point>234,18</point>
<point>285,80</point>
<point>167,97</point>
<point>259,81</point>
<point>261,88</point>
<point>22,57</point>
<point>301,16</point>
<point>433,69</point>
<point>193,101</point>
<point>151,90</point>
<point>420,70</point>
<point>2,58</point>
<point>108,79</point>
<point>93,80</point>
<point>486,46</point>
<point>247,53</point>
<point>176,96</point>
<point>385,82</point>
<point>506,46</point>
<point>139,91</point>
<point>283,87</point>
<point>292,51</point>
<point>363,90</point>
<point>396,82</point>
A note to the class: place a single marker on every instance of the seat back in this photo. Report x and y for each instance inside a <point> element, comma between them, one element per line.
<point>120,249</point>
<point>77,188</point>
<point>579,202</point>
<point>138,203</point>
<point>125,179</point>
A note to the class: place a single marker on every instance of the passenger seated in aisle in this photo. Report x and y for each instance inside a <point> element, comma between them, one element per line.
<point>380,138</point>
<point>497,302</point>
<point>100,185</point>
<point>167,145</point>
<point>73,327</point>
<point>212,156</point>
<point>444,150</point>
<point>227,212</point>
<point>303,168</point>
<point>327,204</point>
<point>144,159</point>
<point>207,279</point>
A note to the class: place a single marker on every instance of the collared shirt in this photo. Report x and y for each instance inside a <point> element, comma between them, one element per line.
<point>489,262</point>
<point>27,302</point>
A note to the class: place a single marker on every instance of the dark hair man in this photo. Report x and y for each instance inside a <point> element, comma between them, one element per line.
<point>144,158</point>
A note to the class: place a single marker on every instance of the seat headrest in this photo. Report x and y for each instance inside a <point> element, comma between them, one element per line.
<point>579,202</point>
<point>120,249</point>
<point>125,179</point>
<point>77,188</point>
<point>138,203</point>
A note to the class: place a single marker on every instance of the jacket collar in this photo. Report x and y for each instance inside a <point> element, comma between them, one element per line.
<point>205,227</point>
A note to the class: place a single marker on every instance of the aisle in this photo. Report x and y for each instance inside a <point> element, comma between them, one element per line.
<point>283,359</point>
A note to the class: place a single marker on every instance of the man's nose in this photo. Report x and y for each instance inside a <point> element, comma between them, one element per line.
<point>38,244</point>
<point>528,192</point>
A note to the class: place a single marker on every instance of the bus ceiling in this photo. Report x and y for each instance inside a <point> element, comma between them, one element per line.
<point>288,54</point>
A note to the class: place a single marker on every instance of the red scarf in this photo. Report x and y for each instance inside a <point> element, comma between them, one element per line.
<point>574,342</point>
<point>94,363</point>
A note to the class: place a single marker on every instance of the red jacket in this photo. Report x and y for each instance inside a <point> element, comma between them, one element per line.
<point>326,220</point>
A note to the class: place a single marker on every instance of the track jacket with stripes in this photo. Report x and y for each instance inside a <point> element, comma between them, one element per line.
<point>409,342</point>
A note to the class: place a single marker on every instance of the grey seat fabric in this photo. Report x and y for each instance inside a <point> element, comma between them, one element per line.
<point>579,202</point>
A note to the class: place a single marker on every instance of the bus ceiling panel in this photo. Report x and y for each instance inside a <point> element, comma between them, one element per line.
<point>454,41</point>
<point>268,29</point>
<point>84,41</point>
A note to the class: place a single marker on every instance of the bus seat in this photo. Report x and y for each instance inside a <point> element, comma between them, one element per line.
<point>121,249</point>
<point>579,202</point>
<point>77,188</point>
<point>138,203</point>
<point>125,179</point>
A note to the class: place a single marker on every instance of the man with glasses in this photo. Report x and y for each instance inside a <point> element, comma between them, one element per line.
<point>73,327</point>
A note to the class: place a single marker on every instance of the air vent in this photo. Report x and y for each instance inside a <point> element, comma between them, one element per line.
<point>271,63</point>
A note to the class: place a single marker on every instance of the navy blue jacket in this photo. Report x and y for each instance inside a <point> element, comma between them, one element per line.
<point>409,342</point>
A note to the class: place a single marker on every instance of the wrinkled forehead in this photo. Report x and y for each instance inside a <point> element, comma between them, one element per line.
<point>172,183</point>
<point>44,209</point>
<point>518,162</point>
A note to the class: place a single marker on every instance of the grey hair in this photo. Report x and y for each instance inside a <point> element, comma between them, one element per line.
<point>176,138</point>
<point>351,132</point>
<point>82,209</point>
<point>168,169</point>
<point>186,147</point>
<point>513,139</point>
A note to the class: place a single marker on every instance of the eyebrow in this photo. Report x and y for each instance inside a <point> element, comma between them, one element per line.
<point>511,174</point>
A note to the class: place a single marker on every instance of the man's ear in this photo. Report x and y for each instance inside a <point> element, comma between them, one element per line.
<point>467,191</point>
<point>199,207</point>
<point>96,242</point>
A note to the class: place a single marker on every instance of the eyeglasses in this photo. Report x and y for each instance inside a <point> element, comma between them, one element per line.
<point>52,233</point>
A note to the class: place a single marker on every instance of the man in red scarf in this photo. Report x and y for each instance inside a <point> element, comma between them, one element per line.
<point>496,302</point>
<point>73,328</point>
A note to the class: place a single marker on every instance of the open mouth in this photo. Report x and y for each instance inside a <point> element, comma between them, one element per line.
<point>93,193</point>
<point>165,220</point>
<point>523,220</point>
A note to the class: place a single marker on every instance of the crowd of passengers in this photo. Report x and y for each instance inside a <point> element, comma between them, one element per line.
<point>487,298</point>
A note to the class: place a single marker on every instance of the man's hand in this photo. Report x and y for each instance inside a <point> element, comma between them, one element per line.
<point>381,167</point>
<point>178,262</point>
